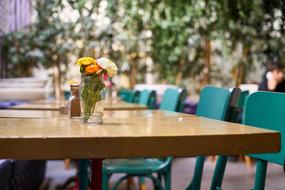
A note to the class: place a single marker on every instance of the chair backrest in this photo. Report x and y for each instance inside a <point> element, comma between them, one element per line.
<point>233,110</point>
<point>213,102</point>
<point>148,97</point>
<point>232,115</point>
<point>266,110</point>
<point>173,99</point>
<point>183,95</point>
<point>242,99</point>
<point>134,97</point>
<point>125,94</point>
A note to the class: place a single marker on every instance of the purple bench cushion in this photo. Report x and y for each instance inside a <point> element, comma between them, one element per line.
<point>7,104</point>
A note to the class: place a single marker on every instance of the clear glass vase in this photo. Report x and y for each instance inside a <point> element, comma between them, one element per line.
<point>91,96</point>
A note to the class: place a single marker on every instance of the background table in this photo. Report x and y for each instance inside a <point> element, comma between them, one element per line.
<point>121,114</point>
<point>29,114</point>
<point>55,105</point>
<point>132,134</point>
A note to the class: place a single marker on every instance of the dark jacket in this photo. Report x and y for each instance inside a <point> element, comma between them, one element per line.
<point>263,85</point>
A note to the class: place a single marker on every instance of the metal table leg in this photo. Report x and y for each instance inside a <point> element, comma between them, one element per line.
<point>96,177</point>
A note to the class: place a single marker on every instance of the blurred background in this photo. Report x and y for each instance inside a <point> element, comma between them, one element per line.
<point>185,43</point>
<point>155,44</point>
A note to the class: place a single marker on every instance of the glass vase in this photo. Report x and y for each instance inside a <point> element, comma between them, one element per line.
<point>91,96</point>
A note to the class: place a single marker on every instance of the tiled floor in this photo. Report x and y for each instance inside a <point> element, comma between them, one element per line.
<point>237,176</point>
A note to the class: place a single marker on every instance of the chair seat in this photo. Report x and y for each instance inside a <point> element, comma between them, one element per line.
<point>133,166</point>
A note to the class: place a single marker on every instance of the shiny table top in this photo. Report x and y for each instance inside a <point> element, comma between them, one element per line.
<point>127,134</point>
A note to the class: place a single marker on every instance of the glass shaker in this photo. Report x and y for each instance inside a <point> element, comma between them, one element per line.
<point>74,101</point>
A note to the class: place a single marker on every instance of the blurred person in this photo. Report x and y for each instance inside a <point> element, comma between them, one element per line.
<point>273,78</point>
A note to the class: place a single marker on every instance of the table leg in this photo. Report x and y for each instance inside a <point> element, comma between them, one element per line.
<point>96,177</point>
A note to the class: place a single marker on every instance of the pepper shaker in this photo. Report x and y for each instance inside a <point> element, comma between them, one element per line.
<point>74,101</point>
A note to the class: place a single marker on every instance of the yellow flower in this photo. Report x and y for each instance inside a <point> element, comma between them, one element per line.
<point>86,61</point>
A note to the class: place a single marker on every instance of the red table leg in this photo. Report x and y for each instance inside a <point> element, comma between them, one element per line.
<point>96,178</point>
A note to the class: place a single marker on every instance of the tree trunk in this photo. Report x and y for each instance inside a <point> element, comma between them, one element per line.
<point>180,73</point>
<point>238,74</point>
<point>3,65</point>
<point>208,50</point>
<point>57,81</point>
<point>133,73</point>
<point>240,69</point>
<point>208,62</point>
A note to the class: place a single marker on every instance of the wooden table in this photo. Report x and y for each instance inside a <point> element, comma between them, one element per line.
<point>29,114</point>
<point>131,134</point>
<point>55,106</point>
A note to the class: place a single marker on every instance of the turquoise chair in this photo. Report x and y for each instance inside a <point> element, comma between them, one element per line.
<point>233,115</point>
<point>221,163</point>
<point>241,104</point>
<point>125,94</point>
<point>131,96</point>
<point>168,103</point>
<point>134,96</point>
<point>183,96</point>
<point>148,97</point>
<point>173,100</point>
<point>266,110</point>
<point>146,167</point>
<point>215,103</point>
<point>242,99</point>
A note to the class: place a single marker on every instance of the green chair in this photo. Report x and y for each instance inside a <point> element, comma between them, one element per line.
<point>215,103</point>
<point>241,104</point>
<point>148,97</point>
<point>125,94</point>
<point>242,99</point>
<point>131,96</point>
<point>221,163</point>
<point>183,96</point>
<point>134,96</point>
<point>266,110</point>
<point>146,167</point>
<point>173,99</point>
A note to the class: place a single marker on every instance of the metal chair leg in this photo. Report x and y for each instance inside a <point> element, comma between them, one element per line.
<point>198,172</point>
<point>167,179</point>
<point>219,172</point>
<point>261,168</point>
<point>83,174</point>
<point>105,181</point>
<point>118,183</point>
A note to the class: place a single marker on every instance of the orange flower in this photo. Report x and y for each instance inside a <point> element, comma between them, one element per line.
<point>90,69</point>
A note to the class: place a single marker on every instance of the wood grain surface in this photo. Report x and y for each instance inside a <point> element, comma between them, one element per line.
<point>130,134</point>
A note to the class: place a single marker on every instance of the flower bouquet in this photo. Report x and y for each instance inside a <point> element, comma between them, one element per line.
<point>92,84</point>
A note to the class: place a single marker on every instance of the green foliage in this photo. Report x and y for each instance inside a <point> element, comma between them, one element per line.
<point>170,25</point>
<point>51,40</point>
<point>171,33</point>
<point>46,42</point>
